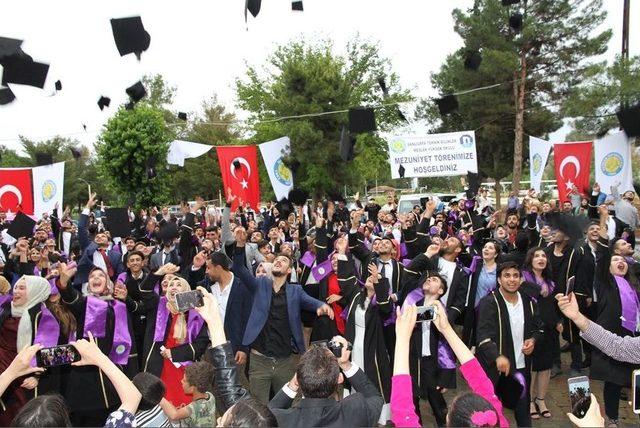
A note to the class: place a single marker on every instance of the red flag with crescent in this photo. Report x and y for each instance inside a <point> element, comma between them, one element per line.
<point>573,167</point>
<point>239,170</point>
<point>16,191</point>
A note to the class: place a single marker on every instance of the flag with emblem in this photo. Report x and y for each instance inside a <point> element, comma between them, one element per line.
<point>48,187</point>
<point>613,162</point>
<point>538,154</point>
<point>239,170</point>
<point>279,174</point>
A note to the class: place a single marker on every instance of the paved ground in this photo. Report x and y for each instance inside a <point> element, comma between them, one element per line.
<point>557,401</point>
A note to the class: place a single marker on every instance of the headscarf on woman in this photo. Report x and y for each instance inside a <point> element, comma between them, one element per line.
<point>38,290</point>
<point>180,328</point>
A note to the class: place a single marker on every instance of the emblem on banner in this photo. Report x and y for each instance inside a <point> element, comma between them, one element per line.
<point>466,141</point>
<point>397,146</point>
<point>537,163</point>
<point>282,172</point>
<point>49,190</point>
<point>612,164</point>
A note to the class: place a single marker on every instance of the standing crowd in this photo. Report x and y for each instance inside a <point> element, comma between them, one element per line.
<point>320,315</point>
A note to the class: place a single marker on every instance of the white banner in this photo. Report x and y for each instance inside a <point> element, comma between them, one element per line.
<point>48,187</point>
<point>181,150</point>
<point>613,162</point>
<point>279,174</point>
<point>433,155</point>
<point>538,155</point>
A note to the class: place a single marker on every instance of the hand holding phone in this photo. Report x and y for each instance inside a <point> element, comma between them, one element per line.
<point>426,313</point>
<point>579,395</point>
<point>57,356</point>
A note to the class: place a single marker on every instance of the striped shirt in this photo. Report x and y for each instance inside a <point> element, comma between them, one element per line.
<point>625,349</point>
<point>153,417</point>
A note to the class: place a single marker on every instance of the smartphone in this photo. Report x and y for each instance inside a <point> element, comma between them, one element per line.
<point>426,313</point>
<point>579,395</point>
<point>189,300</point>
<point>635,381</point>
<point>57,356</point>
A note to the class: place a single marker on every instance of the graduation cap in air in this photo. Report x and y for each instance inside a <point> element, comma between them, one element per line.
<point>447,104</point>
<point>298,196</point>
<point>629,119</point>
<point>182,116</point>
<point>572,226</point>
<point>104,102</point>
<point>361,120</point>
<point>58,85</point>
<point>297,5</point>
<point>284,207</point>
<point>347,144</point>
<point>385,94</point>
<point>44,159</point>
<point>472,60</point>
<point>473,181</point>
<point>515,22</point>
<point>168,232</point>
<point>130,36</point>
<point>253,6</point>
<point>136,92</point>
<point>151,167</point>
<point>8,48</point>
<point>21,226</point>
<point>6,96</point>
<point>77,154</point>
<point>117,222</point>
<point>22,70</point>
<point>401,171</point>
<point>509,2</point>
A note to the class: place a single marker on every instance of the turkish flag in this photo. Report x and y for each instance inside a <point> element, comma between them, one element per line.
<point>16,190</point>
<point>573,167</point>
<point>239,170</point>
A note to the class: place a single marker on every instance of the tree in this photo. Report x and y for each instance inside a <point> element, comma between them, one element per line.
<point>303,78</point>
<point>132,141</point>
<point>543,62</point>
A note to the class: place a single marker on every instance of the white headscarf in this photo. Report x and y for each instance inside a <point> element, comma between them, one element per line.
<point>38,290</point>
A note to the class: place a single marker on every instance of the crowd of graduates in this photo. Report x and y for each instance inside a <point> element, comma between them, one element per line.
<point>286,285</point>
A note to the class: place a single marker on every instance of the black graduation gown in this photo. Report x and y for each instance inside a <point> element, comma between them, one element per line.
<point>324,328</point>
<point>604,367</point>
<point>377,364</point>
<point>88,388</point>
<point>493,337</point>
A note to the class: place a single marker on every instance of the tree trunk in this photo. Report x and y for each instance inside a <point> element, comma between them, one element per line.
<point>498,189</point>
<point>519,91</point>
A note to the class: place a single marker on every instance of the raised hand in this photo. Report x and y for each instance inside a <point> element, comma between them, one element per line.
<point>341,245</point>
<point>91,202</point>
<point>66,273</point>
<point>199,260</point>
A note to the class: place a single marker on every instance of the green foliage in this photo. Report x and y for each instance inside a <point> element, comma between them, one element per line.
<point>308,78</point>
<point>128,140</point>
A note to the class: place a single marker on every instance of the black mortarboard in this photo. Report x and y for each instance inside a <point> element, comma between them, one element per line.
<point>84,126</point>
<point>347,144</point>
<point>401,114</point>
<point>24,71</point>
<point>252,6</point>
<point>473,181</point>
<point>629,119</point>
<point>9,47</point>
<point>58,85</point>
<point>361,120</point>
<point>168,231</point>
<point>117,222</point>
<point>509,2</point>
<point>236,164</point>
<point>509,390</point>
<point>298,196</point>
<point>77,154</point>
<point>6,96</point>
<point>297,5</point>
<point>136,91</point>
<point>284,207</point>
<point>472,60</point>
<point>182,116</point>
<point>515,22</point>
<point>44,159</point>
<point>447,104</point>
<point>130,35</point>
<point>401,171</point>
<point>151,167</point>
<point>104,102</point>
<point>572,226</point>
<point>383,86</point>
<point>21,226</point>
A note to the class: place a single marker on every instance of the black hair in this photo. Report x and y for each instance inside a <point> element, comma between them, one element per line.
<point>249,412</point>
<point>151,388</point>
<point>506,265</point>
<point>434,273</point>
<point>134,253</point>
<point>219,259</point>
<point>464,406</point>
<point>547,274</point>
<point>47,410</point>
<point>522,241</point>
<point>495,245</point>
<point>263,243</point>
<point>317,373</point>
<point>200,375</point>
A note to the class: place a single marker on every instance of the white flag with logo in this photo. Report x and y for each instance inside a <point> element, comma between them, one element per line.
<point>279,174</point>
<point>538,155</point>
<point>613,162</point>
<point>48,187</point>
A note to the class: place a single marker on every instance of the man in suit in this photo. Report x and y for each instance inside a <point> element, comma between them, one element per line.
<point>317,376</point>
<point>95,253</point>
<point>66,239</point>
<point>252,257</point>
<point>168,254</point>
<point>274,327</point>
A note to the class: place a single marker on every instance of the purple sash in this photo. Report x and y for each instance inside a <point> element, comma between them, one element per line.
<point>95,317</point>
<point>5,298</point>
<point>403,249</point>
<point>121,346</point>
<point>194,324</point>
<point>406,262</point>
<point>530,277</point>
<point>473,267</point>
<point>307,259</point>
<point>48,331</point>
<point>322,270</point>
<point>629,304</point>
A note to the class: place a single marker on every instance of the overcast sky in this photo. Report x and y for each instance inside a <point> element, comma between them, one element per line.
<point>202,46</point>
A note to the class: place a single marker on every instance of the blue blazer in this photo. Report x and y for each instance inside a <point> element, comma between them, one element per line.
<point>262,291</point>
<point>85,264</point>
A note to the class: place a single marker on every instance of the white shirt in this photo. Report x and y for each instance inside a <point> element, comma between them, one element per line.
<point>426,338</point>
<point>357,356</point>
<point>388,272</point>
<point>447,269</point>
<point>66,242</point>
<point>98,260</point>
<point>516,321</point>
<point>222,296</point>
<point>611,228</point>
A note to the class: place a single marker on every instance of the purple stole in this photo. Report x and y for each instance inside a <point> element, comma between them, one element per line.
<point>446,358</point>
<point>95,321</point>
<point>194,324</point>
<point>629,303</point>
<point>307,259</point>
<point>473,267</point>
<point>530,277</point>
<point>322,270</point>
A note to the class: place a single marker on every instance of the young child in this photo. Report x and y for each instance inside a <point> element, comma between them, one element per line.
<point>201,412</point>
<point>149,413</point>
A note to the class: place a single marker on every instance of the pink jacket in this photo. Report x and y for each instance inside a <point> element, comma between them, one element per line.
<point>403,413</point>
